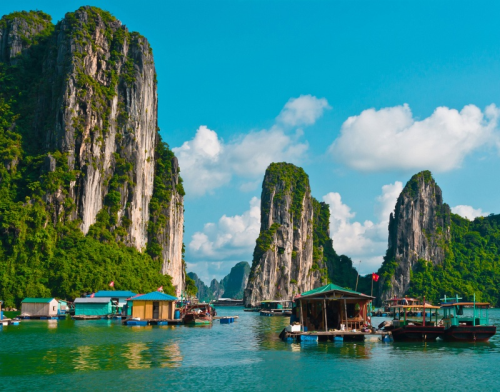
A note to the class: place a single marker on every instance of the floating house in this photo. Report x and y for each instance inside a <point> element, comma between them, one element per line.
<point>95,307</point>
<point>153,306</point>
<point>39,308</point>
<point>119,297</point>
<point>276,308</point>
<point>62,307</point>
<point>330,312</point>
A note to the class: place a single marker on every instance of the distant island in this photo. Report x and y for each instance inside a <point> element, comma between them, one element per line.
<point>231,286</point>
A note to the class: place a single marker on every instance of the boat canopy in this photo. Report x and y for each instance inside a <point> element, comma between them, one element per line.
<point>427,306</point>
<point>476,304</point>
<point>332,288</point>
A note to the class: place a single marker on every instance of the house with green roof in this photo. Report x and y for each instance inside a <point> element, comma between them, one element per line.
<point>332,307</point>
<point>39,307</point>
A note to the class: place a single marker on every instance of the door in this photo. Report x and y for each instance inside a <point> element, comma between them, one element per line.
<point>156,310</point>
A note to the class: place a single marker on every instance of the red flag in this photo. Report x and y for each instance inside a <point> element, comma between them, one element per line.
<point>112,284</point>
<point>92,295</point>
<point>160,288</point>
<point>375,277</point>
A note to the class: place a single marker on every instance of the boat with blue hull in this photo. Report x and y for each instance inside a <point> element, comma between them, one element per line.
<point>466,321</point>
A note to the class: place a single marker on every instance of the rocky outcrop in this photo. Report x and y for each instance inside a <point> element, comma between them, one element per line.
<point>285,260</point>
<point>236,281</point>
<point>18,31</point>
<point>419,229</point>
<point>93,111</point>
<point>216,290</point>
<point>203,291</point>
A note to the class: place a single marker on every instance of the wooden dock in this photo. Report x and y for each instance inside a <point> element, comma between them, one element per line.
<point>332,336</point>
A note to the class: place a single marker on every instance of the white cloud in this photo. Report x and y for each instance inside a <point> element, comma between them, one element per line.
<point>233,237</point>
<point>468,212</point>
<point>207,162</point>
<point>304,110</point>
<point>365,241</point>
<point>391,138</point>
<point>200,160</point>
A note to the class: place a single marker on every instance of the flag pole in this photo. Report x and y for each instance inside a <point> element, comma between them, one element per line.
<point>372,287</point>
<point>357,277</point>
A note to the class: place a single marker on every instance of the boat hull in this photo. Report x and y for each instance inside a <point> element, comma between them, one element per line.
<point>469,333</point>
<point>192,319</point>
<point>417,333</point>
<point>269,313</point>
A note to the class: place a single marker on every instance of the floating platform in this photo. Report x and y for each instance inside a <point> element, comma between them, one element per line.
<point>223,317</point>
<point>8,321</point>
<point>331,336</point>
<point>83,317</point>
<point>143,323</point>
<point>60,317</point>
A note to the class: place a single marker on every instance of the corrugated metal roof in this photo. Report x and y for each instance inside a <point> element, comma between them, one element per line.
<point>154,296</point>
<point>37,300</point>
<point>114,294</point>
<point>94,300</point>
<point>331,287</point>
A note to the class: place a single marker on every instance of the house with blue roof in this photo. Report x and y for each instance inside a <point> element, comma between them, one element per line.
<point>153,306</point>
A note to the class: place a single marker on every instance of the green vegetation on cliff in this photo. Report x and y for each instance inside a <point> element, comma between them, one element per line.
<point>334,268</point>
<point>471,266</point>
<point>285,178</point>
<point>39,258</point>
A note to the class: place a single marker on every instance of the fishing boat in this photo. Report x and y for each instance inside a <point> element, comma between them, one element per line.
<point>276,308</point>
<point>199,314</point>
<point>466,321</point>
<point>406,330</point>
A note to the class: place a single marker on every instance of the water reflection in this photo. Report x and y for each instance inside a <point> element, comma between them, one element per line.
<point>52,324</point>
<point>133,356</point>
<point>140,355</point>
<point>83,359</point>
<point>173,357</point>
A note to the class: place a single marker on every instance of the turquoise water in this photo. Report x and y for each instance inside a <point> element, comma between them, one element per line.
<point>246,355</point>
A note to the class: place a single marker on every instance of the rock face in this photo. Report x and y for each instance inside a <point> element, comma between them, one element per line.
<point>236,281</point>
<point>419,229</point>
<point>285,260</point>
<point>16,32</point>
<point>95,110</point>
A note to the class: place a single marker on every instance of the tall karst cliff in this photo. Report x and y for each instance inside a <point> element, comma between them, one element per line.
<point>419,229</point>
<point>286,260</point>
<point>84,105</point>
<point>434,252</point>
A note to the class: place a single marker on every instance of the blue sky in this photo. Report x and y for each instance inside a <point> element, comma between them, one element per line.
<point>277,80</point>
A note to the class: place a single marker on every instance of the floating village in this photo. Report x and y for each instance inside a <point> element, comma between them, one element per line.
<point>327,313</point>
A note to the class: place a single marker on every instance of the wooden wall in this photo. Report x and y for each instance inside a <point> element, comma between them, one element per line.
<point>144,309</point>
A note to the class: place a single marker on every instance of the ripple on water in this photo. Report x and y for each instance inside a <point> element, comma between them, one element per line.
<point>245,355</point>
